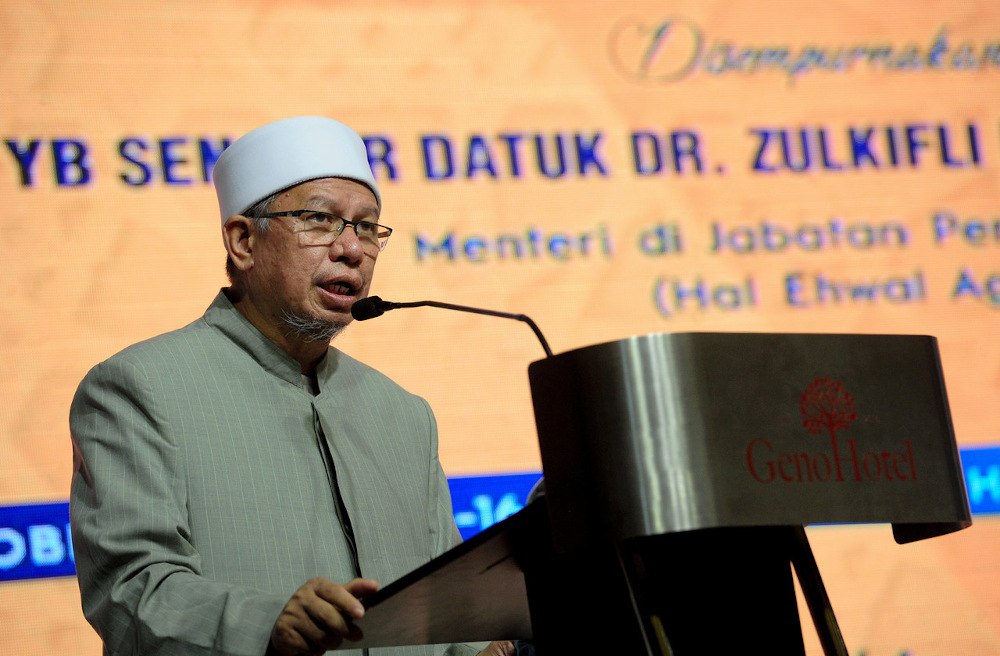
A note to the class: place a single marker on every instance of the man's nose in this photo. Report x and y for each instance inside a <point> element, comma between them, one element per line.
<point>348,244</point>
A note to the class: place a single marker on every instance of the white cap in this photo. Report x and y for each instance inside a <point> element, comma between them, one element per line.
<point>286,153</point>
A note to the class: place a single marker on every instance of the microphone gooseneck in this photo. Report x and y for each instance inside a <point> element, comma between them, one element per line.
<point>373,306</point>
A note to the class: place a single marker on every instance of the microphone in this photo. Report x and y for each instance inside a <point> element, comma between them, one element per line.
<point>373,306</point>
<point>370,307</point>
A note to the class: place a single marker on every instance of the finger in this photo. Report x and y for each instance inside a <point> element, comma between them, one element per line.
<point>314,649</point>
<point>317,630</point>
<point>335,623</point>
<point>341,598</point>
<point>313,635</point>
<point>288,640</point>
<point>330,623</point>
<point>308,620</point>
<point>499,648</point>
<point>361,587</point>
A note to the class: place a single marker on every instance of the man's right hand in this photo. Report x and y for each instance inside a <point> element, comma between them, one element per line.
<point>319,617</point>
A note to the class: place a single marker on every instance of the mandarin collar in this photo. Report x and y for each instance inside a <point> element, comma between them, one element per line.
<point>224,316</point>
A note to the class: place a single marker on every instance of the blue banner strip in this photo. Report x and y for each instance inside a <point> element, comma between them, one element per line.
<point>981,467</point>
<point>35,542</point>
<point>35,539</point>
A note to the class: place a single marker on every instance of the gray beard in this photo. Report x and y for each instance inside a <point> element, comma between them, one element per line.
<point>309,328</point>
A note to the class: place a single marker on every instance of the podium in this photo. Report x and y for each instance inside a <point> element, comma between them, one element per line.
<point>680,470</point>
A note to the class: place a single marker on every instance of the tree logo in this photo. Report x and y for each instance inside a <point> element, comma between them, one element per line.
<point>827,408</point>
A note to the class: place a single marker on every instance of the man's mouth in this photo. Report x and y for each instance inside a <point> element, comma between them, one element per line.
<point>340,287</point>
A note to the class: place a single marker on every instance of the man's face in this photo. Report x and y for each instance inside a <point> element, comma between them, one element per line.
<point>291,281</point>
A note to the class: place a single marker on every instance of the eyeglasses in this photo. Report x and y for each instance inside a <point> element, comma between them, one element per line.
<point>323,228</point>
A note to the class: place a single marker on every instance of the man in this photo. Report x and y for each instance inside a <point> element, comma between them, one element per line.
<point>235,479</point>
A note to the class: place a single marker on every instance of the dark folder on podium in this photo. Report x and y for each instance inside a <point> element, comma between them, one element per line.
<point>680,470</point>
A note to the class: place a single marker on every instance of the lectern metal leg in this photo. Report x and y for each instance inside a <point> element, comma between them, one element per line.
<point>580,602</point>
<point>682,594</point>
<point>815,593</point>
<point>678,594</point>
<point>715,591</point>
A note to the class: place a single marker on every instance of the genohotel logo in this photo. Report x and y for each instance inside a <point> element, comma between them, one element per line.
<point>828,409</point>
<point>672,49</point>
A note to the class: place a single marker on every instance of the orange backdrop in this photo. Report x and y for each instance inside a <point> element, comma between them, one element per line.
<point>583,158</point>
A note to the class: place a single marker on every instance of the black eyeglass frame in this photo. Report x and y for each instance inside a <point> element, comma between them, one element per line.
<point>382,233</point>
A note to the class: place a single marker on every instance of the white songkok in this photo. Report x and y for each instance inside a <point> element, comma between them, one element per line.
<point>285,153</point>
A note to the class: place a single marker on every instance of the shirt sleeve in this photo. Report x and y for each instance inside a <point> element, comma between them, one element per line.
<point>140,576</point>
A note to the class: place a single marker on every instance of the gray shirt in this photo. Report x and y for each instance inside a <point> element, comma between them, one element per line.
<point>209,485</point>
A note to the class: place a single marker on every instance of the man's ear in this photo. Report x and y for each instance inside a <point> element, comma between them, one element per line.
<point>238,236</point>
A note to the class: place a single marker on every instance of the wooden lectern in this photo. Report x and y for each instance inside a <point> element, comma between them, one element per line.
<point>680,470</point>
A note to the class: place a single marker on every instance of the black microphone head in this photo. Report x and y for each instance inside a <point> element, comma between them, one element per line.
<point>368,308</point>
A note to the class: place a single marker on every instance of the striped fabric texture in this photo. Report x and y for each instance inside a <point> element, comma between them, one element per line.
<point>207,483</point>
